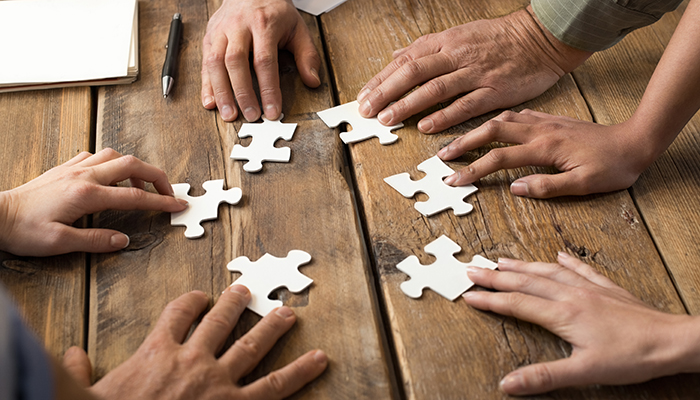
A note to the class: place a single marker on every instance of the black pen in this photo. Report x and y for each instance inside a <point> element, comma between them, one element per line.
<point>173,47</point>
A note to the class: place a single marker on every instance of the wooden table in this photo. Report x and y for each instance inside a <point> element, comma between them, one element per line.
<point>331,202</point>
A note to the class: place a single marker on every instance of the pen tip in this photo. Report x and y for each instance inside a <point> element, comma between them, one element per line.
<point>165,96</point>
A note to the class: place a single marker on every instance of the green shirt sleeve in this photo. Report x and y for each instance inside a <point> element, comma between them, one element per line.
<point>595,25</point>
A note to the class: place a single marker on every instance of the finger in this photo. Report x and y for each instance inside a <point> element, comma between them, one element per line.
<point>216,66</point>
<point>137,183</point>
<point>523,283</point>
<point>522,306</point>
<point>551,271</point>
<point>305,55</point>
<point>80,157</point>
<point>129,198</point>
<point>218,323</point>
<point>381,77</point>
<point>405,78</point>
<point>207,91</point>
<point>584,270</point>
<point>541,186</point>
<point>289,379</point>
<point>496,160</point>
<point>247,352</point>
<point>67,239</point>
<point>545,377</point>
<point>126,167</point>
<point>238,70</point>
<point>178,316</point>
<point>266,67</point>
<point>77,363</point>
<point>100,157</point>
<point>475,103</point>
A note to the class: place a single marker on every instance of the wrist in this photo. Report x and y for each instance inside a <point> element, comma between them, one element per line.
<point>563,57</point>
<point>681,346</point>
<point>6,219</point>
<point>648,138</point>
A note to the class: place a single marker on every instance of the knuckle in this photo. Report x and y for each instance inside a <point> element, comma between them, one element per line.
<point>110,152</point>
<point>546,187</point>
<point>508,116</point>
<point>542,377</point>
<point>180,310</point>
<point>402,60</point>
<point>412,70</point>
<point>264,59</point>
<point>219,323</point>
<point>249,347</point>
<point>276,382</point>
<point>523,281</point>
<point>465,105</point>
<point>496,156</point>
<point>190,355</point>
<point>215,58</point>
<point>437,88</point>
<point>235,58</point>
<point>262,19</point>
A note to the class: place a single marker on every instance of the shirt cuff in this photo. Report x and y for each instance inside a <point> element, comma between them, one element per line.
<point>594,25</point>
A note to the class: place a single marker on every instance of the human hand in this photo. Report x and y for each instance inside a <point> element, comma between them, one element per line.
<point>166,368</point>
<point>595,158</point>
<point>263,27</point>
<point>36,217</point>
<point>498,63</point>
<point>615,338</point>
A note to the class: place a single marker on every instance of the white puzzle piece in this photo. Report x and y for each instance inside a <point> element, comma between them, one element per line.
<point>262,277</point>
<point>202,208</point>
<point>441,196</point>
<point>262,148</point>
<point>447,276</point>
<point>362,128</point>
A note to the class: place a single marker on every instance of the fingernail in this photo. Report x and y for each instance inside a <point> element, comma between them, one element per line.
<point>512,383</point>
<point>563,255</point>
<point>250,114</point>
<point>450,179</point>
<point>386,116</point>
<point>119,241</point>
<point>426,125</point>
<point>208,100</point>
<point>172,191</point>
<point>320,357</point>
<point>365,109</point>
<point>183,202</point>
<point>363,94</point>
<point>519,188</point>
<point>442,152</point>
<point>240,289</point>
<point>504,262</point>
<point>226,113</point>
<point>468,295</point>
<point>474,270</point>
<point>315,74</point>
<point>284,312</point>
<point>271,112</point>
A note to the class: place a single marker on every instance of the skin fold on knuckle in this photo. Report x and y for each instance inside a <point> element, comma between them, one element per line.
<point>277,383</point>
<point>248,346</point>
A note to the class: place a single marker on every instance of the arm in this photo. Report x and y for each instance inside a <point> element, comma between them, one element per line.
<point>263,27</point>
<point>615,338</point>
<point>36,218</point>
<point>593,158</point>
<point>487,64</point>
<point>166,368</point>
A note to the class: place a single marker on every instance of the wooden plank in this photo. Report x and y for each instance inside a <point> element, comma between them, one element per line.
<point>444,349</point>
<point>668,192</point>
<point>306,204</point>
<point>42,129</point>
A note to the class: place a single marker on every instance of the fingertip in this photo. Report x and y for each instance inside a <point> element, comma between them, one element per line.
<point>321,358</point>
<point>315,80</point>
<point>284,312</point>
<point>363,94</point>
<point>450,180</point>
<point>240,289</point>
<point>512,383</point>
<point>426,125</point>
<point>119,241</point>
<point>208,102</point>
<point>520,188</point>
<point>228,113</point>
<point>272,112</point>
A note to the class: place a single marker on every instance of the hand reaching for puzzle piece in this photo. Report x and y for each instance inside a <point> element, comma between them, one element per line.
<point>202,208</point>
<point>262,148</point>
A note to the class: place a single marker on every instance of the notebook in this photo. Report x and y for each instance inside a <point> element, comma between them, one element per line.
<point>60,43</point>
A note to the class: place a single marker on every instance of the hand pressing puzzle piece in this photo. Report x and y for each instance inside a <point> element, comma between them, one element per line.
<point>262,277</point>
<point>442,196</point>
<point>447,276</point>
<point>362,128</point>
<point>262,148</point>
<point>202,208</point>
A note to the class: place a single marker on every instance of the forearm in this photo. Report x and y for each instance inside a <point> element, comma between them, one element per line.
<point>673,94</point>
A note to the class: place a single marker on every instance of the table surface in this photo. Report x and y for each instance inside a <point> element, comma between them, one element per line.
<point>331,201</point>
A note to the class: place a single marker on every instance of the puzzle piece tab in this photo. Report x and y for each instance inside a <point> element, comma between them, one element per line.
<point>202,208</point>
<point>447,276</point>
<point>441,196</point>
<point>262,148</point>
<point>362,128</point>
<point>262,277</point>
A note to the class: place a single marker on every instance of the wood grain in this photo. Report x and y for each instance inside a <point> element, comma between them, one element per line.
<point>40,130</point>
<point>447,350</point>
<point>668,192</point>
<point>306,204</point>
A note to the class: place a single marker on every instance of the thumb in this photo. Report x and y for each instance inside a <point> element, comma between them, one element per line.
<point>544,186</point>
<point>90,240</point>
<point>306,56</point>
<point>77,363</point>
<point>543,377</point>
